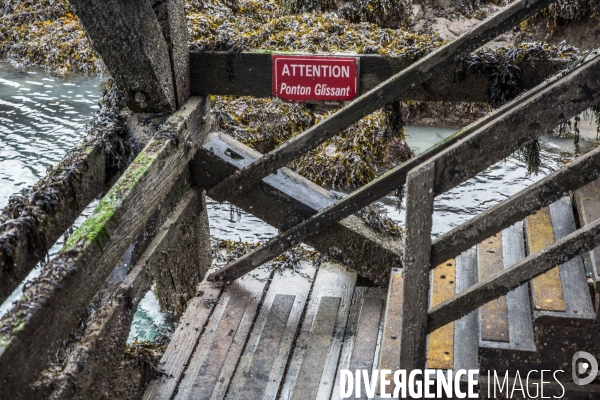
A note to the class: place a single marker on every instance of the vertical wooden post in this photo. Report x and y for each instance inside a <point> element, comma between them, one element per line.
<point>171,16</point>
<point>417,250</point>
<point>129,38</point>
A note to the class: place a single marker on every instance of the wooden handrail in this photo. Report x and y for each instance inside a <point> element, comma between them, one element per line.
<point>569,96</point>
<point>376,98</point>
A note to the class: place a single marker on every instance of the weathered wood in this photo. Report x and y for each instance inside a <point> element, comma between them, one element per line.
<point>543,192</point>
<point>249,74</point>
<point>587,200</point>
<point>284,199</point>
<point>440,345</point>
<point>539,115</point>
<point>185,257</point>
<point>470,233</point>
<point>361,340</point>
<point>51,306</point>
<point>518,352</point>
<point>417,247</point>
<point>389,356</point>
<point>377,97</point>
<point>91,364</point>
<point>216,354</point>
<point>171,16</point>
<point>311,370</point>
<point>575,294</point>
<point>129,38</point>
<point>261,367</point>
<point>493,315</point>
<point>82,175</point>
<point>546,289</point>
<point>191,325</point>
<point>465,328</point>
<point>498,285</point>
<point>560,333</point>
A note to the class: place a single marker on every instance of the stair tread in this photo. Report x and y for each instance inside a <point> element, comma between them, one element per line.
<point>567,284</point>
<point>312,369</point>
<point>587,200</point>
<point>517,317</point>
<point>215,357</point>
<point>261,367</point>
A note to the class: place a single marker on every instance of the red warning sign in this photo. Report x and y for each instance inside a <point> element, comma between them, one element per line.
<point>301,78</point>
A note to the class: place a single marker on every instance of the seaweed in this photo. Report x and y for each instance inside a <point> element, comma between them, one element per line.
<point>504,66</point>
<point>531,155</point>
<point>380,222</point>
<point>563,12</point>
<point>47,34</point>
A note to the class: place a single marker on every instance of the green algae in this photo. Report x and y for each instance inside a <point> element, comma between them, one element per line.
<point>95,228</point>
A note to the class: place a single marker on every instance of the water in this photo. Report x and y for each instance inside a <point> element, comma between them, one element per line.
<point>42,117</point>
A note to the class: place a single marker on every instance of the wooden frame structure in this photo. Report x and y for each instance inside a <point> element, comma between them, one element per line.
<point>182,153</point>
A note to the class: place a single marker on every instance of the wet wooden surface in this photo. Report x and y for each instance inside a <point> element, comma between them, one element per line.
<point>288,335</point>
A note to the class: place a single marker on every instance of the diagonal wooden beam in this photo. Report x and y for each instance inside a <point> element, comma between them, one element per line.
<point>284,199</point>
<point>376,98</point>
<point>510,127</point>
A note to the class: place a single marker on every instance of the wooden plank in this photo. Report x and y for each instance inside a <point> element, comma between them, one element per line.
<point>520,325</point>
<point>389,357</point>
<point>249,74</point>
<point>286,198</point>
<point>82,175</point>
<point>470,234</point>
<point>576,295</point>
<point>363,334</point>
<point>311,371</point>
<point>440,352</point>
<point>376,98</point>
<point>129,38</point>
<point>547,288</point>
<point>466,328</point>
<point>533,265</point>
<point>493,315</point>
<point>545,191</point>
<point>260,370</point>
<point>417,247</point>
<point>587,200</point>
<point>519,351</point>
<point>171,16</point>
<point>213,358</point>
<point>51,306</point>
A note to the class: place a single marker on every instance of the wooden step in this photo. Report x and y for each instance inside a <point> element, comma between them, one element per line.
<point>506,337</point>
<point>587,200</point>
<point>362,338</point>
<point>561,295</point>
<point>453,346</point>
<point>312,370</point>
<point>260,369</point>
<point>563,313</point>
